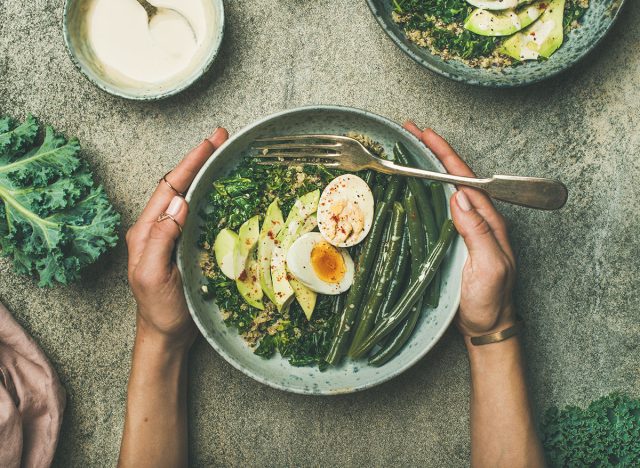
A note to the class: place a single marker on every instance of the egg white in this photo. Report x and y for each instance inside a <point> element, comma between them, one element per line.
<point>299,265</point>
<point>345,189</point>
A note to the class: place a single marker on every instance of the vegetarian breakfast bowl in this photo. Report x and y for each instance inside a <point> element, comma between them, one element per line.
<point>282,329</point>
<point>496,43</point>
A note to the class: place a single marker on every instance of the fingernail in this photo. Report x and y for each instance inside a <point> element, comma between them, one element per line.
<point>215,130</point>
<point>463,201</point>
<point>175,206</point>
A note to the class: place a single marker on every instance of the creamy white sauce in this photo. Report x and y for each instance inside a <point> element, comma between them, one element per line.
<point>127,45</point>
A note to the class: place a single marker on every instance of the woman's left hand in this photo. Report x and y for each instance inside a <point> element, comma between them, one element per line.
<point>153,275</point>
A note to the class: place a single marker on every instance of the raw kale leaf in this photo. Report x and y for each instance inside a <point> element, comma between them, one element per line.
<point>607,433</point>
<point>54,220</point>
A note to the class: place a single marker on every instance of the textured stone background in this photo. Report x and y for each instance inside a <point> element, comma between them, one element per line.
<point>578,287</point>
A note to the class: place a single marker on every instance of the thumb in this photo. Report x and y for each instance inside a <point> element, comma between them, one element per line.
<point>473,228</point>
<point>164,234</point>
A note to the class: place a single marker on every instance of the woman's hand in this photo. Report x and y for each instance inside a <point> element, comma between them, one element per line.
<point>489,273</point>
<point>153,274</point>
<point>502,428</point>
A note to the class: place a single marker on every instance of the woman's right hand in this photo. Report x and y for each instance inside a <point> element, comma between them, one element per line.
<point>489,273</point>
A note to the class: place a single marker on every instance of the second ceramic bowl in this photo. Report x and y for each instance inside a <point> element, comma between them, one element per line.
<point>595,24</point>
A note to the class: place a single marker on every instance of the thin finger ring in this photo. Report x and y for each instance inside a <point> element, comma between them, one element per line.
<point>164,216</point>
<point>164,179</point>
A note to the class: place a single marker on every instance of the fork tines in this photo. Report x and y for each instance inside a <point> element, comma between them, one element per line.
<point>299,150</point>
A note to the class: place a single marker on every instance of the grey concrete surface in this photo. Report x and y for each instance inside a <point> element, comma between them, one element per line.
<point>578,289</point>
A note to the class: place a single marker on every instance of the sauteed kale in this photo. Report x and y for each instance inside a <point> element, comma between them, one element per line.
<point>247,192</point>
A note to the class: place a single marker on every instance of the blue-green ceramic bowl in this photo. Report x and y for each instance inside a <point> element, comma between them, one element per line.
<point>351,376</point>
<point>83,58</point>
<point>595,24</point>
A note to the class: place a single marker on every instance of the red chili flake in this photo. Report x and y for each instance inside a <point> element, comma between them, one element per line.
<point>243,275</point>
<point>270,234</point>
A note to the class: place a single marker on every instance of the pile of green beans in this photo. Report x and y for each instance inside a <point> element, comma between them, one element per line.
<point>408,240</point>
<point>418,255</point>
<point>423,203</point>
<point>340,341</point>
<point>414,293</point>
<point>381,279</point>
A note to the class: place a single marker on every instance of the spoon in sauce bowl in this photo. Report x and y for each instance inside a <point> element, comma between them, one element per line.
<point>153,12</point>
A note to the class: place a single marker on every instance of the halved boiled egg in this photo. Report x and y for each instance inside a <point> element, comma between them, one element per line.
<point>320,266</point>
<point>345,211</point>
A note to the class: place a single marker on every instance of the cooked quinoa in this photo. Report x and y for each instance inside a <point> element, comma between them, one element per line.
<point>438,25</point>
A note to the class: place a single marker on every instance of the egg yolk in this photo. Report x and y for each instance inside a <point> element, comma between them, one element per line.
<point>327,262</point>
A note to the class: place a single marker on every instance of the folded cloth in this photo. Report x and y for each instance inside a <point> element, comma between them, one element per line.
<point>31,399</point>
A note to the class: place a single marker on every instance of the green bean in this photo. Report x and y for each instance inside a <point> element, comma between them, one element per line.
<point>386,261</point>
<point>378,192</point>
<point>379,266</point>
<point>340,342</point>
<point>369,177</point>
<point>398,279</point>
<point>402,333</point>
<point>439,201</point>
<point>439,205</point>
<point>415,292</point>
<point>338,304</point>
<point>421,193</point>
<point>422,196</point>
<point>416,232</point>
<point>399,337</point>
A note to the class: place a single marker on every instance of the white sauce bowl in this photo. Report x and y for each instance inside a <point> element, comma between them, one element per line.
<point>80,50</point>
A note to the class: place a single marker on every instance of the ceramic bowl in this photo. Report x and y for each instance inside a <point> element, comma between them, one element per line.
<point>596,22</point>
<point>82,55</point>
<point>351,376</point>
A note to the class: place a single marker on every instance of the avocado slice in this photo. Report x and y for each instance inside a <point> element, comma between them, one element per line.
<point>503,23</point>
<point>226,249</point>
<point>309,224</point>
<point>542,38</point>
<point>305,296</point>
<point>304,206</point>
<point>497,4</point>
<point>247,281</point>
<point>249,284</point>
<point>271,226</point>
<point>248,233</point>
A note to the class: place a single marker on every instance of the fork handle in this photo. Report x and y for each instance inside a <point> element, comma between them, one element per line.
<point>532,192</point>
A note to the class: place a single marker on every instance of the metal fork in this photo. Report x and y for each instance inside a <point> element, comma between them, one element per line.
<point>345,153</point>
